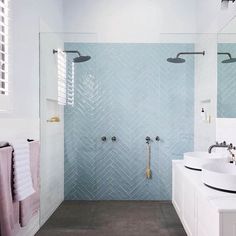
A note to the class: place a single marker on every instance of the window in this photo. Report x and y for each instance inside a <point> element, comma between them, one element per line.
<point>4,47</point>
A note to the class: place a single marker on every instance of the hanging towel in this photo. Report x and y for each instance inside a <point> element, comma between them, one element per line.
<point>22,178</point>
<point>30,206</point>
<point>9,210</point>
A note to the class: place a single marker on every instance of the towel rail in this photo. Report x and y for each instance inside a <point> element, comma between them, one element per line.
<point>6,144</point>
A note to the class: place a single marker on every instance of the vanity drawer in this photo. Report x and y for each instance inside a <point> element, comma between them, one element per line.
<point>189,204</point>
<point>208,218</point>
<point>177,189</point>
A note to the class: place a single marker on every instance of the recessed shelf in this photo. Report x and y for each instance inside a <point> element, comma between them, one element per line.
<point>51,100</point>
<point>206,101</point>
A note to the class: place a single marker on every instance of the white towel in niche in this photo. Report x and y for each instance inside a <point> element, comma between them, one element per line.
<point>22,179</point>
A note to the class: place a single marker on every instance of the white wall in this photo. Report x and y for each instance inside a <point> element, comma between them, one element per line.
<point>129,21</point>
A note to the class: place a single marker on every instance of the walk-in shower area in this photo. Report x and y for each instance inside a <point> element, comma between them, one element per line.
<point>125,93</point>
<point>125,111</point>
<point>113,96</point>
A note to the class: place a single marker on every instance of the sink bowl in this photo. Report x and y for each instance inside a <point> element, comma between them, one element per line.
<point>220,176</point>
<point>195,160</point>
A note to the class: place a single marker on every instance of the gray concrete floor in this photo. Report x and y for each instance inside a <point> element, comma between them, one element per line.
<point>113,218</point>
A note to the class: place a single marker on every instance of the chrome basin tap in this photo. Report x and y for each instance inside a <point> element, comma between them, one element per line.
<point>221,145</point>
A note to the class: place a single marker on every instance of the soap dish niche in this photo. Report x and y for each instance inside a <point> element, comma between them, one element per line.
<point>206,101</point>
<point>205,110</point>
<point>52,111</point>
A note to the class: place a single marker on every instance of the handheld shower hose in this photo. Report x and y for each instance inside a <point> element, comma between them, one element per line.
<point>148,170</point>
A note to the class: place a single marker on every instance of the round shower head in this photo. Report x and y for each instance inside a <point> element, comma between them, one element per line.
<point>231,60</point>
<point>78,59</point>
<point>176,60</point>
<point>81,59</point>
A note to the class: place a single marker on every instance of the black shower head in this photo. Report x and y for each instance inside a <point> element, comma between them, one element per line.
<point>81,59</point>
<point>230,60</point>
<point>178,59</point>
<point>78,59</point>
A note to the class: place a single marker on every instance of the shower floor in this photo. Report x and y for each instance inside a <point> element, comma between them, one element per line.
<point>113,218</point>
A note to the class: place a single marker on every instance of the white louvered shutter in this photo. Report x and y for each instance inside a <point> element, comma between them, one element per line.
<point>4,53</point>
<point>70,83</point>
<point>61,75</point>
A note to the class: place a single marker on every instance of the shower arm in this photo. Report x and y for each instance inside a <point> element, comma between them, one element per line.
<point>225,53</point>
<point>227,0</point>
<point>67,51</point>
<point>190,53</point>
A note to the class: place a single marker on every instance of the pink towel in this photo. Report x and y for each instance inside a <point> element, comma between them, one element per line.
<point>16,214</point>
<point>30,206</point>
<point>9,210</point>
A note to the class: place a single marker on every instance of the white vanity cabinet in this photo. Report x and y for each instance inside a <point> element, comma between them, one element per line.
<point>202,211</point>
<point>177,189</point>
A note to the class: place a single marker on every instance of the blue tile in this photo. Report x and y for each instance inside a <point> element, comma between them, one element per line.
<point>226,83</point>
<point>130,91</point>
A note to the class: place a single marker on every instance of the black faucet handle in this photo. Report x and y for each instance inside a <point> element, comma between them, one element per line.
<point>104,138</point>
<point>113,139</point>
<point>148,138</point>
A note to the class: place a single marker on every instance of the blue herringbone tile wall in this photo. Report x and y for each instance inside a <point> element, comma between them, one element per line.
<point>226,83</point>
<point>130,91</point>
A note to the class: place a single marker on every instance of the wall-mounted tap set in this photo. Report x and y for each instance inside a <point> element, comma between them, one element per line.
<point>148,142</point>
<point>114,139</point>
<point>229,147</point>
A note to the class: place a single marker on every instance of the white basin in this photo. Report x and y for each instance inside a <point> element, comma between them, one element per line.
<point>221,176</point>
<point>195,160</point>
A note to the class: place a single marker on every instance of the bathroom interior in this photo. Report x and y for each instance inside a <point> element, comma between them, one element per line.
<point>118,118</point>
